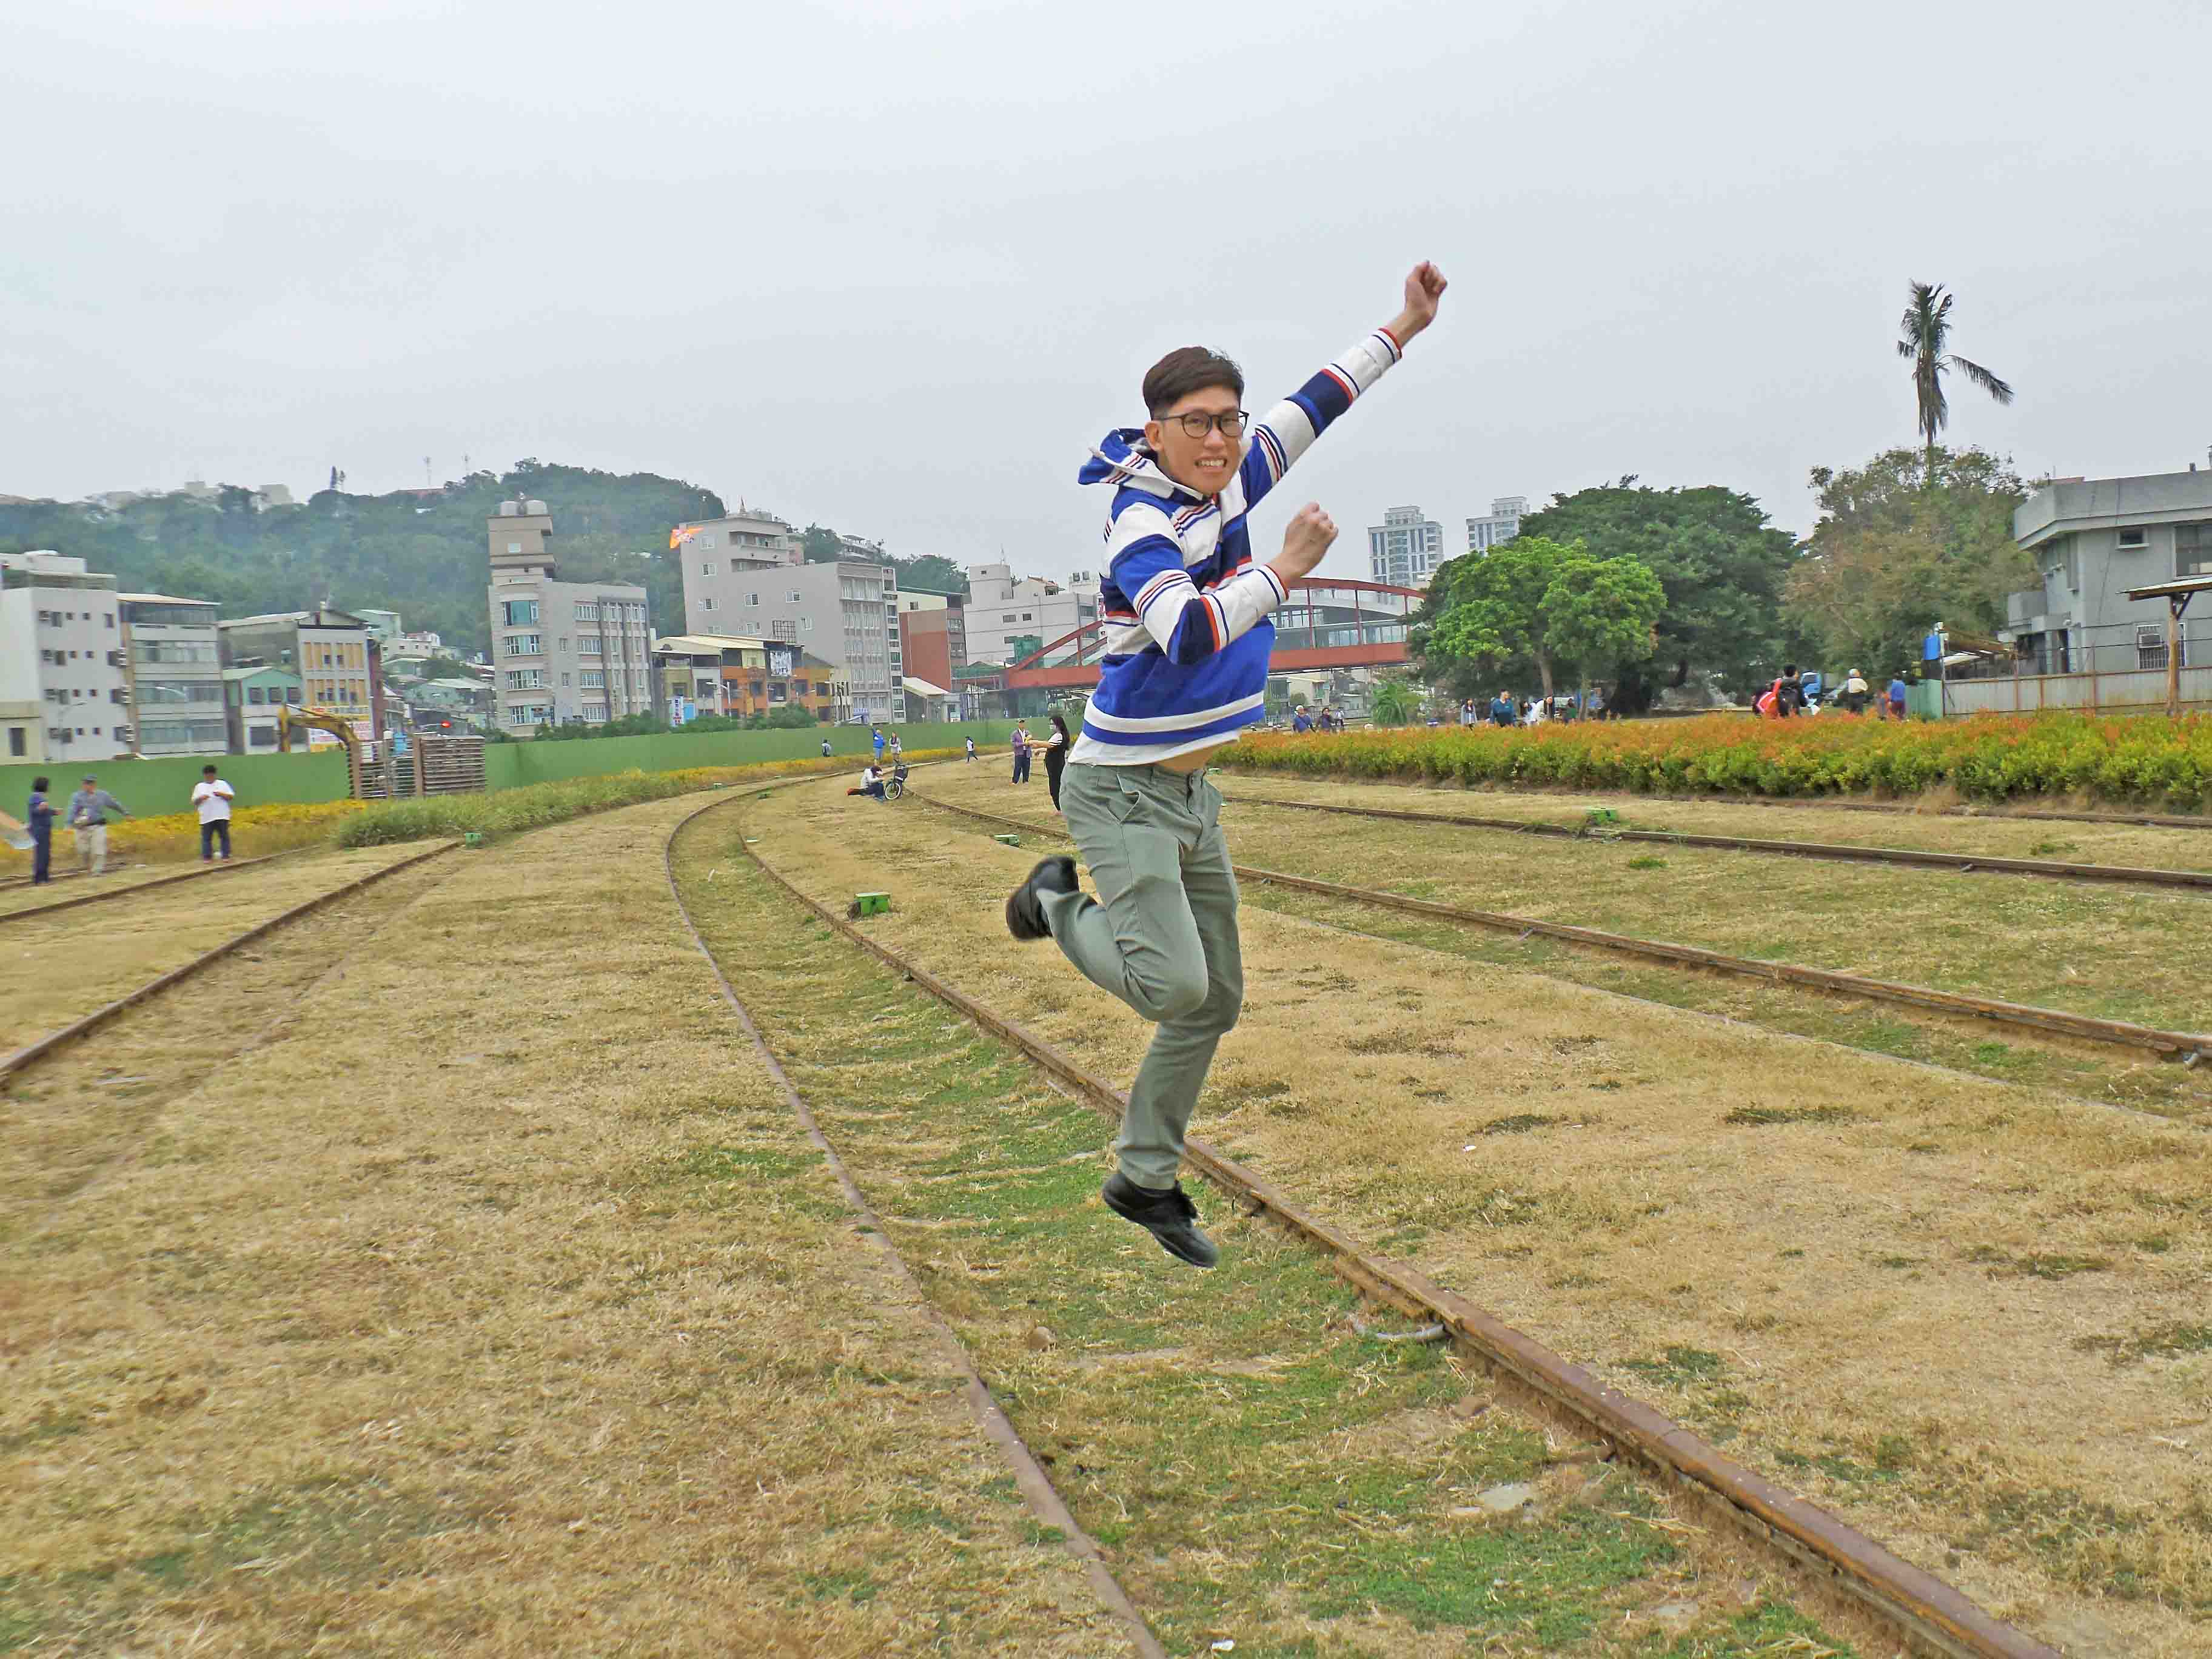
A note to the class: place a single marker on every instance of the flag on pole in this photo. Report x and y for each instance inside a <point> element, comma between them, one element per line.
<point>680,535</point>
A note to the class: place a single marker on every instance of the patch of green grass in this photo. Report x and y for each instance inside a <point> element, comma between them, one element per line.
<point>1250,1463</point>
<point>1764,1115</point>
<point>1519,1123</point>
<point>1768,1630</point>
<point>1647,862</point>
<point>846,1585</point>
<point>1837,1468</point>
<point>2169,1340</point>
<point>2036,1264</point>
<point>1680,1367</point>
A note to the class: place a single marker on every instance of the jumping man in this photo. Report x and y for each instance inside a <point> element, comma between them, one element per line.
<point>1185,611</point>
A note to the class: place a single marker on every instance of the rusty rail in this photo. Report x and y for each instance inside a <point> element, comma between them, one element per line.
<point>2188,1046</point>
<point>142,887</point>
<point>32,1053</point>
<point>2125,874</point>
<point>1930,1613</point>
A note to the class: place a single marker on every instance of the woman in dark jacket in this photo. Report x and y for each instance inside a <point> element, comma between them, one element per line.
<point>1055,756</point>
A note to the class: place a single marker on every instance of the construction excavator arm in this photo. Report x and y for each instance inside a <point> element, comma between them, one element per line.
<point>292,717</point>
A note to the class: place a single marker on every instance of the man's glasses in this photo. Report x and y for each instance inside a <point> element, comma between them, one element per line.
<point>1196,423</point>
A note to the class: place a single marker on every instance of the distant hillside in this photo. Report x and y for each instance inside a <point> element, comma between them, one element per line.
<point>423,556</point>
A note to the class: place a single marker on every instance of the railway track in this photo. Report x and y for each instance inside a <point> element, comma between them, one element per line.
<point>32,1053</point>
<point>1899,809</point>
<point>1930,1615</point>
<point>1965,863</point>
<point>2189,1047</point>
<point>135,888</point>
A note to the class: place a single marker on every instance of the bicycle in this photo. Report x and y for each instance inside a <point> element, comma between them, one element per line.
<point>895,784</point>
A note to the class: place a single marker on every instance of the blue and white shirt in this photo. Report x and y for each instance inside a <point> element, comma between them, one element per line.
<point>1185,609</point>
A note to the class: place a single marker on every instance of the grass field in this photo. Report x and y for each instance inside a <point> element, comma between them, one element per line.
<point>1965,1314</point>
<point>503,1311</point>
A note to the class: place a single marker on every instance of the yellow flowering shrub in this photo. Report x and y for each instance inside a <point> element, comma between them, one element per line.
<point>174,838</point>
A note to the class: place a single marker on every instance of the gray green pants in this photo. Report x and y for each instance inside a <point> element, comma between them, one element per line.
<point>1161,936</point>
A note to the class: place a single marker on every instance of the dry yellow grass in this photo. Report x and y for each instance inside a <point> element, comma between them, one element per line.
<point>1993,833</point>
<point>494,1305</point>
<point>57,968</point>
<point>1965,1316</point>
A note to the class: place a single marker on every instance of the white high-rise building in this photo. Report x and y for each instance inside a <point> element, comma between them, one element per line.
<point>1502,523</point>
<point>63,674</point>
<point>1002,610</point>
<point>1405,549</point>
<point>564,651</point>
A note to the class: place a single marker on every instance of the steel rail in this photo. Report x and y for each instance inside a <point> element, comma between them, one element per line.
<point>2189,1046</point>
<point>2139,875</point>
<point>1927,1611</point>
<point>1044,1499</point>
<point>29,1054</point>
<point>1898,809</point>
<point>144,886</point>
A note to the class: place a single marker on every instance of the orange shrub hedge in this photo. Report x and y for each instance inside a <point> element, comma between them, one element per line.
<point>2139,760</point>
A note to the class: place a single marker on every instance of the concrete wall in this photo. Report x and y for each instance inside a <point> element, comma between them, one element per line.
<point>2140,691</point>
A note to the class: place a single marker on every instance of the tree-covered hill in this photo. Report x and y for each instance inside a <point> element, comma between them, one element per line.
<point>421,553</point>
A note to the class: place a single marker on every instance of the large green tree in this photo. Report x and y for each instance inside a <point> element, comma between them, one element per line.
<point>1924,341</point>
<point>1534,604</point>
<point>1908,540</point>
<point>1722,564</point>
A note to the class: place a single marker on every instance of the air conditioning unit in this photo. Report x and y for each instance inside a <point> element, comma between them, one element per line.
<point>115,659</point>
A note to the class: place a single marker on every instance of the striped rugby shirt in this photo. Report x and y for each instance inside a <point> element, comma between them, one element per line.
<point>1185,609</point>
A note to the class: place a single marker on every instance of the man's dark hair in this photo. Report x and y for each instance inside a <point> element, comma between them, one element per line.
<point>207,771</point>
<point>1185,370</point>
<point>42,783</point>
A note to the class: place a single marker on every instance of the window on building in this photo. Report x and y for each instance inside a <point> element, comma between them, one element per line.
<point>707,604</point>
<point>514,547</point>
<point>254,694</point>
<point>751,599</point>
<point>2134,538</point>
<point>516,613</point>
<point>2192,549</point>
<point>16,741</point>
<point>806,624</point>
<point>707,569</point>
<point>111,619</point>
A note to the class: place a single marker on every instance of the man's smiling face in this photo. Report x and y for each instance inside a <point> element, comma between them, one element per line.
<point>1203,463</point>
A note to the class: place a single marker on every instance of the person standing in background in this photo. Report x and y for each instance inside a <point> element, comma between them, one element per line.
<point>212,797</point>
<point>88,815</point>
<point>1022,752</point>
<point>38,820</point>
<point>1055,756</point>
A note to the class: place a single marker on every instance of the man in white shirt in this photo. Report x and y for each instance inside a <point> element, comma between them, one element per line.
<point>212,796</point>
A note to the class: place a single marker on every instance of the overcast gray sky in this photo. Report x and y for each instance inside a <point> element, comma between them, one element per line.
<point>895,267</point>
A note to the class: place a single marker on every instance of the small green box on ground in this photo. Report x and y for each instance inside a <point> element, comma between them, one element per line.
<point>1010,841</point>
<point>872,904</point>
<point>472,838</point>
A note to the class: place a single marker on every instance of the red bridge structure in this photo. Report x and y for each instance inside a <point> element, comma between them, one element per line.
<point>1326,622</point>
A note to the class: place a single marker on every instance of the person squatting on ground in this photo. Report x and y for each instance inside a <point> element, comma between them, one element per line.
<point>87,816</point>
<point>871,783</point>
<point>213,797</point>
<point>39,823</point>
<point>1056,746</point>
<point>1186,617</point>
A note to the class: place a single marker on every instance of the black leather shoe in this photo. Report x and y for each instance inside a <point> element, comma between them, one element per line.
<point>1169,1216</point>
<point>1025,907</point>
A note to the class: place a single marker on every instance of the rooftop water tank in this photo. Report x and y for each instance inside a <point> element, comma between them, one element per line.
<point>538,509</point>
<point>510,510</point>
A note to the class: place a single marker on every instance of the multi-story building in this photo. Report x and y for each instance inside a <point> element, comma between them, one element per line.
<point>64,678</point>
<point>564,651</point>
<point>252,696</point>
<point>174,663</point>
<point>1001,613</point>
<point>331,650</point>
<point>2092,539</point>
<point>1405,549</point>
<point>1501,523</point>
<point>720,555</point>
<point>721,675</point>
<point>841,612</point>
<point>383,625</point>
<point>932,640</point>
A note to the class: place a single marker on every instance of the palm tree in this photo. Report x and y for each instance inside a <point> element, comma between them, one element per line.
<point>1394,704</point>
<point>1925,331</point>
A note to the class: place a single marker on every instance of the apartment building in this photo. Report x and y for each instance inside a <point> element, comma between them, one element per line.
<point>933,636</point>
<point>841,612</point>
<point>718,674</point>
<point>64,676</point>
<point>720,553</point>
<point>252,697</point>
<point>1001,611</point>
<point>331,650</point>
<point>563,651</point>
<point>1501,523</point>
<point>174,663</point>
<point>1405,549</point>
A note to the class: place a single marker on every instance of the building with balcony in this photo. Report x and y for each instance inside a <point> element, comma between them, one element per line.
<point>331,650</point>
<point>1501,523</point>
<point>252,696</point>
<point>64,675</point>
<point>174,663</point>
<point>562,651</point>
<point>2092,539</point>
<point>1001,613</point>
<point>1405,549</point>
<point>741,676</point>
<point>841,612</point>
